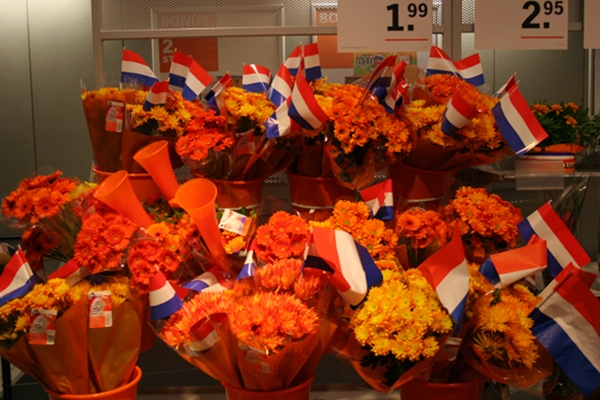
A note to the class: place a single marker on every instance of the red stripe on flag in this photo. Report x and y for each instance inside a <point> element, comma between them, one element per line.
<point>440,264</point>
<point>573,290</point>
<point>522,107</point>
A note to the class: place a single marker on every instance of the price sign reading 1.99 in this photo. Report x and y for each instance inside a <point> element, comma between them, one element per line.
<point>384,25</point>
<point>521,24</point>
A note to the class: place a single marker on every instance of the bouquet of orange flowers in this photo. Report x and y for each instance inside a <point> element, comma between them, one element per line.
<point>488,224</point>
<point>359,137</point>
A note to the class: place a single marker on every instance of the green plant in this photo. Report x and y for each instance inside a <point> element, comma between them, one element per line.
<point>567,123</point>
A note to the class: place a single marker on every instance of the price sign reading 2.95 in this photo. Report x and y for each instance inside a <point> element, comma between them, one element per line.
<point>521,24</point>
<point>404,25</point>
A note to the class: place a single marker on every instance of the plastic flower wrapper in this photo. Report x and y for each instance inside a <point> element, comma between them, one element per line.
<point>161,122</point>
<point>359,137</point>
<point>420,234</point>
<point>488,224</point>
<point>48,208</point>
<point>105,111</point>
<point>74,340</point>
<point>478,142</point>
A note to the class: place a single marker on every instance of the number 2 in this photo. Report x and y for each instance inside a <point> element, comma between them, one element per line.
<point>168,46</point>
<point>550,7</point>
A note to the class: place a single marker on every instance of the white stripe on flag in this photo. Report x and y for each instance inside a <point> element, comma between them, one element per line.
<point>554,245</point>
<point>136,68</point>
<point>23,274</point>
<point>440,64</point>
<point>206,343</point>
<point>179,70</point>
<point>162,295</point>
<point>470,72</point>
<point>351,267</point>
<point>454,287</point>
<point>517,122</point>
<point>510,277</point>
<point>572,322</point>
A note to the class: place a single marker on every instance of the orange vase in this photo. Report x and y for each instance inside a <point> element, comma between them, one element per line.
<point>314,197</point>
<point>125,392</point>
<point>237,194</point>
<point>300,392</point>
<point>419,389</point>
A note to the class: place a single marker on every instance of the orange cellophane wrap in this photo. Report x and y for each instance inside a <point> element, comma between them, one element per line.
<point>278,370</point>
<point>349,173</point>
<point>559,148</point>
<point>353,352</point>
<point>219,361</point>
<point>427,156</point>
<point>106,145</point>
<point>327,331</point>
<point>271,157</point>
<point>134,141</point>
<point>311,160</point>
<point>63,366</point>
<point>113,352</point>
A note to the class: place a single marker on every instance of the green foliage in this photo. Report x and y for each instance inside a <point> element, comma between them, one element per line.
<point>567,123</point>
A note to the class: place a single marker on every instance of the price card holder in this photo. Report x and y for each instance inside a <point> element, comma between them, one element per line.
<point>392,26</point>
<point>521,24</point>
<point>539,175</point>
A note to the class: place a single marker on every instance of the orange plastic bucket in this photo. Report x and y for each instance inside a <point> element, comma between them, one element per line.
<point>125,392</point>
<point>300,392</point>
<point>418,389</point>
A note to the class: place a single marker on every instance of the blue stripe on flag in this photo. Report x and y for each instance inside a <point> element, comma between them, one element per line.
<point>488,269</point>
<point>476,80</point>
<point>130,77</point>
<point>526,230</point>
<point>506,129</point>
<point>18,292</point>
<point>295,115</point>
<point>177,81</point>
<point>196,285</point>
<point>372,273</point>
<point>257,87</point>
<point>166,309</point>
<point>385,213</point>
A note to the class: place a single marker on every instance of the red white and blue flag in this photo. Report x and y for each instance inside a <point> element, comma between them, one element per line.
<point>382,75</point>
<point>256,78</point>
<point>164,301</point>
<point>196,81</point>
<point>507,87</point>
<point>214,99</point>
<point>135,70</point>
<point>563,247</point>
<point>249,266</point>
<point>17,278</point>
<point>312,61</point>
<point>180,66</point>
<point>469,69</point>
<point>520,128</point>
<point>447,272</point>
<point>280,124</point>
<point>214,280</point>
<point>567,324</point>
<point>157,96</point>
<point>292,63</point>
<point>203,335</point>
<point>395,97</point>
<point>304,108</point>
<point>389,96</point>
<point>352,269</point>
<point>281,87</point>
<point>71,272</point>
<point>458,114</point>
<point>502,269</point>
<point>380,200</point>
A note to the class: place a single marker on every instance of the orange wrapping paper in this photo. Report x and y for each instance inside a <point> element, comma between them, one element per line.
<point>349,173</point>
<point>113,351</point>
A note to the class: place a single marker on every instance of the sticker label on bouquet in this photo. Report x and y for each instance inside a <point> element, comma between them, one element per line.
<point>235,222</point>
<point>42,329</point>
<point>267,149</point>
<point>255,359</point>
<point>100,309</point>
<point>114,116</point>
<point>246,143</point>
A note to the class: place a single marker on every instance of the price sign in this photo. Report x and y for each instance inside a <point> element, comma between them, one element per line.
<point>384,25</point>
<point>591,28</point>
<point>521,24</point>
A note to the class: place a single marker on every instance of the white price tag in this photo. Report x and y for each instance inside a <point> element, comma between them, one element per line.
<point>591,27</point>
<point>521,24</point>
<point>385,25</point>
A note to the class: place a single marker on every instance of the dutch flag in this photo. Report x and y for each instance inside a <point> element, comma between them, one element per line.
<point>213,98</point>
<point>390,96</point>
<point>504,268</point>
<point>281,87</point>
<point>214,280</point>
<point>256,78</point>
<point>516,122</point>
<point>304,108</point>
<point>352,269</point>
<point>563,247</point>
<point>164,301</point>
<point>446,270</point>
<point>196,81</point>
<point>134,69</point>
<point>280,124</point>
<point>292,63</point>
<point>312,61</point>
<point>17,278</point>
<point>458,114</point>
<point>382,75</point>
<point>157,96</point>
<point>567,324</point>
<point>203,335</point>
<point>507,87</point>
<point>380,200</point>
<point>71,272</point>
<point>249,265</point>
<point>469,69</point>
<point>180,66</point>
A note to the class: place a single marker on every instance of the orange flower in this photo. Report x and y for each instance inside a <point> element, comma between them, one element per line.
<point>283,236</point>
